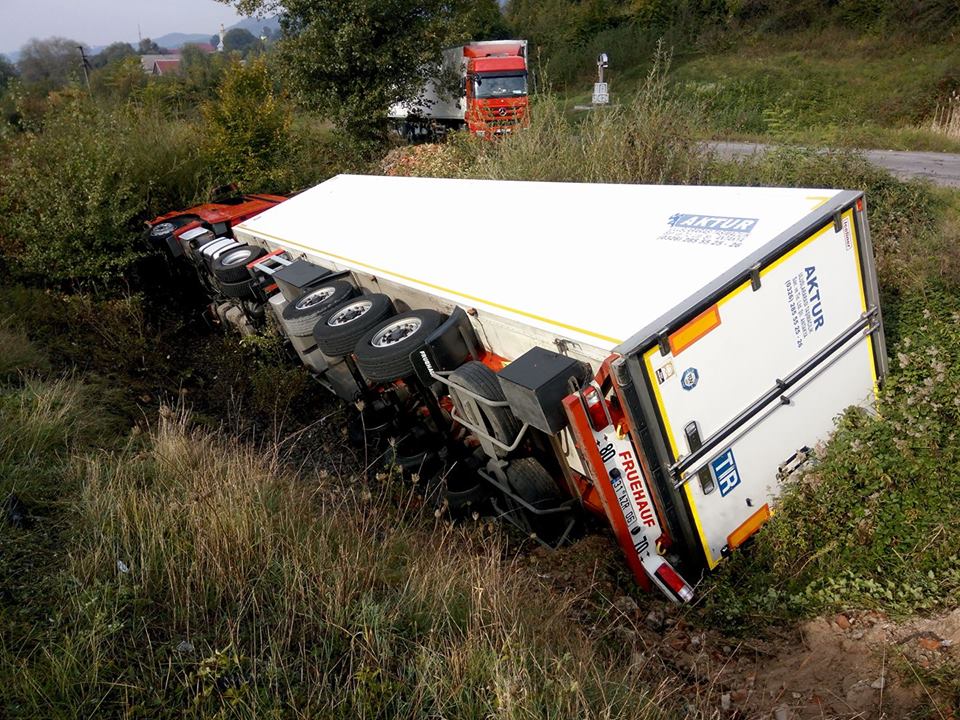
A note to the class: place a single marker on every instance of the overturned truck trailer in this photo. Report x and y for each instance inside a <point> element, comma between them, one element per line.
<point>662,357</point>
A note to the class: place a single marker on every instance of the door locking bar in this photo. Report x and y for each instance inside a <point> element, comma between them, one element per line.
<point>777,392</point>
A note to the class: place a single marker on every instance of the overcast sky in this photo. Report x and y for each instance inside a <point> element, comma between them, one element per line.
<point>99,22</point>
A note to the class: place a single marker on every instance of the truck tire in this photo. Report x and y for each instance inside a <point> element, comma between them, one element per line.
<point>530,481</point>
<point>499,422</point>
<point>159,233</point>
<point>232,265</point>
<point>238,290</point>
<point>301,315</point>
<point>338,333</point>
<point>383,353</point>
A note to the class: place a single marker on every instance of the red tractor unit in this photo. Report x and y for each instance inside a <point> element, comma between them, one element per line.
<point>221,263</point>
<point>218,217</point>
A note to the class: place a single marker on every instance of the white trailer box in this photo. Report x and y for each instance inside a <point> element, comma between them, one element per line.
<point>741,321</point>
<point>439,98</point>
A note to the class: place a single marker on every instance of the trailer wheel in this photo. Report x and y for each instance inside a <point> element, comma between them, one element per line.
<point>338,333</point>
<point>499,422</point>
<point>238,290</point>
<point>383,353</point>
<point>531,482</point>
<point>231,266</point>
<point>303,313</point>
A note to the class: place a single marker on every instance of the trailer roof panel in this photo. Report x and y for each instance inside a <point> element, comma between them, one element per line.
<point>593,263</point>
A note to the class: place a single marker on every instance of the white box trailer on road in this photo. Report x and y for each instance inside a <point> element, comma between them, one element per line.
<point>725,328</point>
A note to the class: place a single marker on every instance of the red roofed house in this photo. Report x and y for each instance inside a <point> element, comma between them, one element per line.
<point>167,66</point>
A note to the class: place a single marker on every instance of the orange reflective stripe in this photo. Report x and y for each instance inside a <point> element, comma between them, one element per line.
<point>694,330</point>
<point>739,536</point>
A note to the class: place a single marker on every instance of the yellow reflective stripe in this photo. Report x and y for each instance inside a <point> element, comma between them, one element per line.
<point>433,286</point>
<point>711,562</point>
<point>651,373</point>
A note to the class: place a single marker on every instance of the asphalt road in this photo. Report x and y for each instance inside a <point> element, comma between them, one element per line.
<point>939,168</point>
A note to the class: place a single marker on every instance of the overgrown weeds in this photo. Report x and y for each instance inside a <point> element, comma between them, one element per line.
<point>75,188</point>
<point>180,571</point>
<point>203,578</point>
<point>910,243</point>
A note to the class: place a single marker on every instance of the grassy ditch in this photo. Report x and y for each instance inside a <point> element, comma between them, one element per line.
<point>176,570</point>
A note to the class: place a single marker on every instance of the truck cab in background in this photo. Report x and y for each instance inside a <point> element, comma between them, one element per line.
<point>480,86</point>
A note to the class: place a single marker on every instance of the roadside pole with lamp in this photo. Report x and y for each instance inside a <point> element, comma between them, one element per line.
<point>601,95</point>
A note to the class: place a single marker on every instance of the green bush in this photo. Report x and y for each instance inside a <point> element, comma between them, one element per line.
<point>74,191</point>
<point>247,128</point>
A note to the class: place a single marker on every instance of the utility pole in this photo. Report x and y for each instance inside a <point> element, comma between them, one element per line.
<point>601,93</point>
<point>86,65</point>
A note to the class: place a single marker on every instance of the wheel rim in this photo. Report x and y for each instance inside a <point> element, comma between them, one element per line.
<point>236,257</point>
<point>350,313</point>
<point>163,228</point>
<point>396,332</point>
<point>315,298</point>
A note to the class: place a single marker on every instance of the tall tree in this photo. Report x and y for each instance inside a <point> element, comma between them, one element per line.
<point>52,62</point>
<point>8,71</point>
<point>485,21</point>
<point>148,47</point>
<point>114,52</point>
<point>352,60</point>
<point>201,72</point>
<point>239,40</point>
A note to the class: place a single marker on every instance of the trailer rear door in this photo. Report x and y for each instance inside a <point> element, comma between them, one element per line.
<point>760,374</point>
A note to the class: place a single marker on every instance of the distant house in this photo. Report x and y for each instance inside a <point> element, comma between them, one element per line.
<point>147,61</point>
<point>168,66</point>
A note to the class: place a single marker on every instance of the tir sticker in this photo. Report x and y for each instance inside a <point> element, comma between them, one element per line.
<point>689,379</point>
<point>806,309</point>
<point>715,230</point>
<point>725,472</point>
<point>664,373</point>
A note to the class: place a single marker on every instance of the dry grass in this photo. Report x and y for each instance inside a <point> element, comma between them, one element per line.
<point>946,118</point>
<point>19,355</point>
<point>311,598</point>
